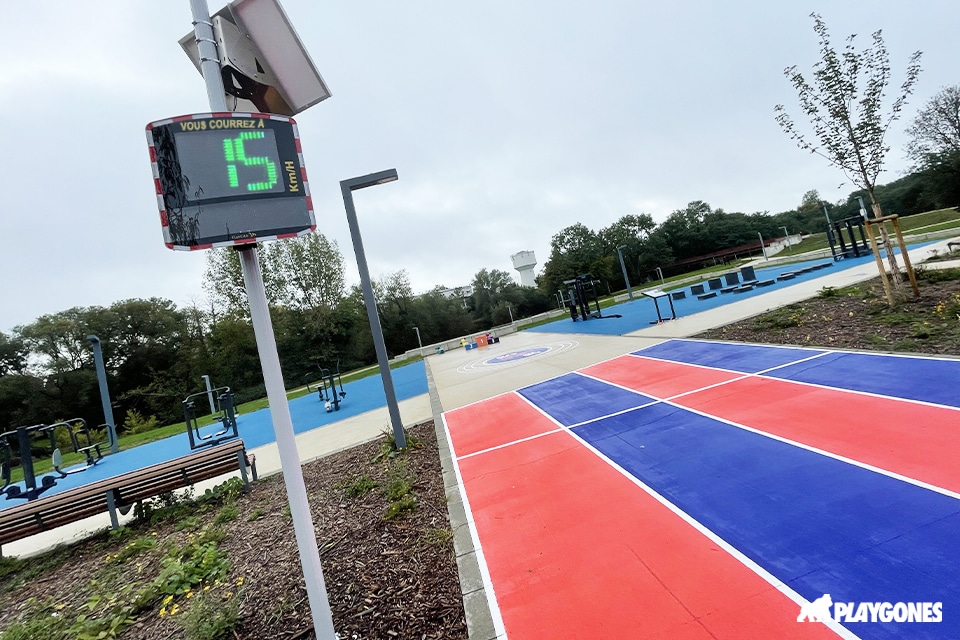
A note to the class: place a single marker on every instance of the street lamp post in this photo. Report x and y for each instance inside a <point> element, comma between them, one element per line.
<point>762,248</point>
<point>660,273</point>
<point>104,394</point>
<point>786,236</point>
<point>419,342</point>
<point>829,227</point>
<point>347,187</point>
<point>510,311</point>
<point>624,268</point>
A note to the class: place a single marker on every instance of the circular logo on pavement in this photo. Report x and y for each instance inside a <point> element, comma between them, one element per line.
<point>513,356</point>
<point>516,357</point>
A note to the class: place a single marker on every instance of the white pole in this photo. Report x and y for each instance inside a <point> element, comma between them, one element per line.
<point>419,341</point>
<point>287,445</point>
<point>270,363</point>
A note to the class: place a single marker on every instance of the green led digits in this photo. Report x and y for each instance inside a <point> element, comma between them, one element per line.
<point>234,152</point>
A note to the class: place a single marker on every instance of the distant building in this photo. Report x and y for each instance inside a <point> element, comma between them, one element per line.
<point>524,262</point>
<point>458,292</point>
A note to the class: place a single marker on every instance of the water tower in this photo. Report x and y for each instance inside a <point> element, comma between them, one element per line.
<point>524,262</point>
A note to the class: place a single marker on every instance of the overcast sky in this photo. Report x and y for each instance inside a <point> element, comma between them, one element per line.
<point>507,121</point>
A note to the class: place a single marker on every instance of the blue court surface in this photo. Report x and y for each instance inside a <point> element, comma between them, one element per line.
<point>641,312</point>
<point>256,429</point>
<point>809,466</point>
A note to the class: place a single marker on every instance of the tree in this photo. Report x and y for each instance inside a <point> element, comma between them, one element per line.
<point>941,179</point>
<point>628,232</point>
<point>305,272</point>
<point>223,281</point>
<point>394,296</point>
<point>574,251</point>
<point>936,128</point>
<point>60,339</point>
<point>13,354</point>
<point>489,289</point>
<point>845,107</point>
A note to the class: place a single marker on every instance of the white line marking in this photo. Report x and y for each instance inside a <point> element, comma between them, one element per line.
<point>491,594</point>
<point>778,584</point>
<point>762,373</point>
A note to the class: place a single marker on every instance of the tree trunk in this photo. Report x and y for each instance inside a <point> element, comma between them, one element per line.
<point>891,257</point>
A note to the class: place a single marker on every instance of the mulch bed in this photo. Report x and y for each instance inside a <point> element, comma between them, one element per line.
<point>386,578</point>
<point>858,318</point>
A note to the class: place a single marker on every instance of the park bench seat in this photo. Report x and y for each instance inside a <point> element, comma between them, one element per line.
<point>122,491</point>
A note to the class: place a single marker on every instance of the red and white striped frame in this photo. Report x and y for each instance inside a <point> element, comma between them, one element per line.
<point>226,114</point>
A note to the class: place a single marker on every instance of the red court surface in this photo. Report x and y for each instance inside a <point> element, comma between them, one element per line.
<point>574,545</point>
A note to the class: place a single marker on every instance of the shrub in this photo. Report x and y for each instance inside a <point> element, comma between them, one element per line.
<point>136,423</point>
<point>211,617</point>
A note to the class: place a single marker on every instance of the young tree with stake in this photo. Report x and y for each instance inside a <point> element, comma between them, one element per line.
<point>844,104</point>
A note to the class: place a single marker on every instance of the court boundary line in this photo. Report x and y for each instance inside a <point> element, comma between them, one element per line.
<point>765,575</point>
<point>917,356</point>
<point>863,465</point>
<point>489,592</point>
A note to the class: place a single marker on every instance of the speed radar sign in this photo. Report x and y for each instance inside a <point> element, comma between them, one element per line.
<point>229,178</point>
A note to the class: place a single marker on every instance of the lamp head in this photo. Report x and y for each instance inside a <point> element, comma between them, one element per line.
<point>370,180</point>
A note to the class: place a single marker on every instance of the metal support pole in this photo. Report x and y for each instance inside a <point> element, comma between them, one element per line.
<point>270,363</point>
<point>346,188</point>
<point>104,394</point>
<point>206,380</point>
<point>830,237</point>
<point>786,236</point>
<point>209,58</point>
<point>623,267</point>
<point>287,445</point>
<point>762,248</point>
<point>660,273</point>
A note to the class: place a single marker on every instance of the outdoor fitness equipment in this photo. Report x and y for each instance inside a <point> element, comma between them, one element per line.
<point>327,388</point>
<point>580,291</point>
<point>223,414</point>
<point>24,438</point>
<point>850,246</point>
<point>80,439</point>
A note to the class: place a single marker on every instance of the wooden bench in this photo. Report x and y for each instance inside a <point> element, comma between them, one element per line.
<point>120,492</point>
